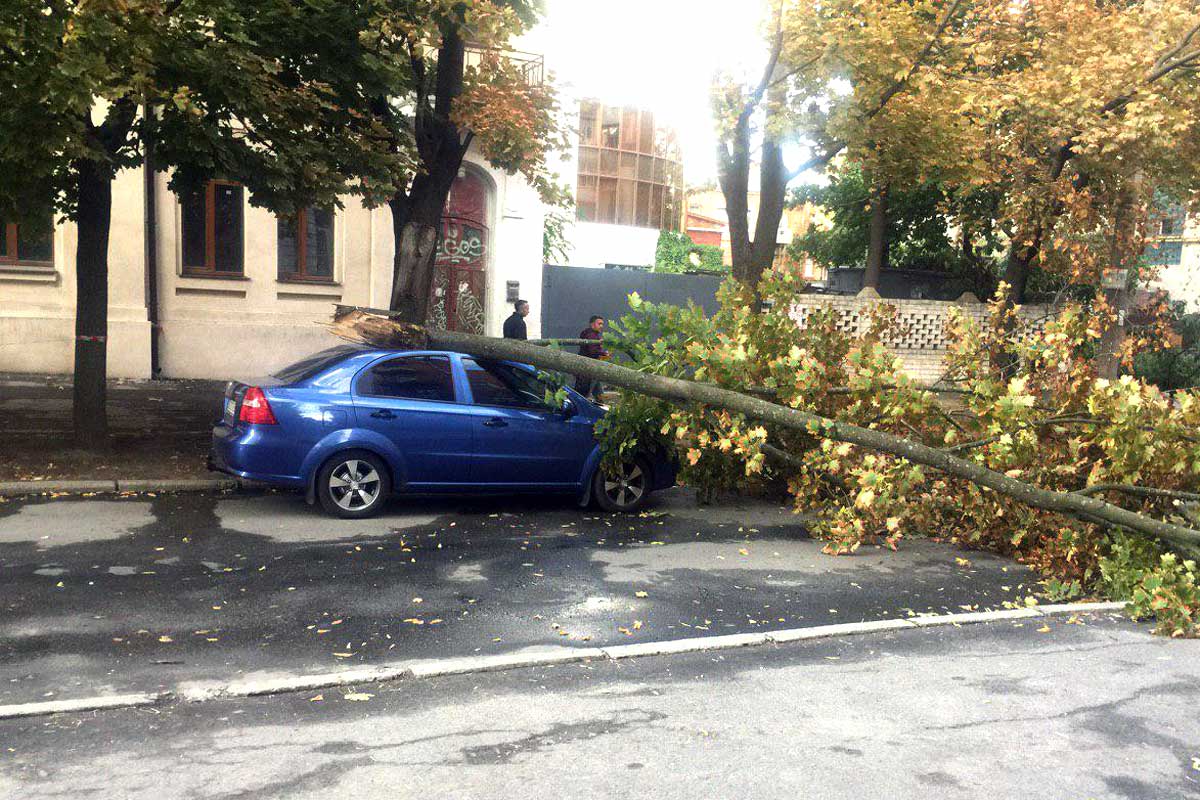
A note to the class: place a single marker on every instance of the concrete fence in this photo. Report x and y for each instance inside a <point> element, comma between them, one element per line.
<point>921,342</point>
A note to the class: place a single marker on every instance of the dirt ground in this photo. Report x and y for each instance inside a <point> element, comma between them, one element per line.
<point>160,429</point>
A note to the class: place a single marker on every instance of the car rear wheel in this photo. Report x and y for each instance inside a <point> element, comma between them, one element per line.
<point>624,491</point>
<point>353,485</point>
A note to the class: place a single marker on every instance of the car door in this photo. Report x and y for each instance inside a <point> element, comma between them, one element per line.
<point>519,440</point>
<point>410,399</point>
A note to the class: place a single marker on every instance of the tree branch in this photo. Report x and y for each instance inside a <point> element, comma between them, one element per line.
<point>355,325</point>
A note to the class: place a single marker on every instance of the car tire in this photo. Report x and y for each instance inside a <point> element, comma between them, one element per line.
<point>624,493</point>
<point>353,485</point>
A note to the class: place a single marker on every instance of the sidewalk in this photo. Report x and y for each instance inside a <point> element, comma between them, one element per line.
<point>160,430</point>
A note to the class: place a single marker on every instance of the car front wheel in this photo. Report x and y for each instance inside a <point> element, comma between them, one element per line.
<point>625,490</point>
<point>353,485</point>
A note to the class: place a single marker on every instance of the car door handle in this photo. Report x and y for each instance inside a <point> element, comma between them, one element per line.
<point>495,422</point>
<point>383,413</point>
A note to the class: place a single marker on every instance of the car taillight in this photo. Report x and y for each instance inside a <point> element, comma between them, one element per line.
<point>255,408</point>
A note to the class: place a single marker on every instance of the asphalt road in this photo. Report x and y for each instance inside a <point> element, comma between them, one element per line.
<point>1095,708</point>
<point>109,595</point>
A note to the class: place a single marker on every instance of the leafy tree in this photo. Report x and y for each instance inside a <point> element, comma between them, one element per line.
<point>1054,425</point>
<point>442,82</point>
<point>239,90</point>
<point>920,220</point>
<point>676,252</point>
<point>556,246</point>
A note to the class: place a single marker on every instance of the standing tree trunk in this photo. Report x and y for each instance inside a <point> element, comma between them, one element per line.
<point>1122,258</point>
<point>877,243</point>
<point>91,304</point>
<point>733,174</point>
<point>417,211</point>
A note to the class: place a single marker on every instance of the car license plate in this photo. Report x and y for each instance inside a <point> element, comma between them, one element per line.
<point>230,404</point>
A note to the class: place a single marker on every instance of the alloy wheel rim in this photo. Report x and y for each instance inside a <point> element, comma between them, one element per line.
<point>627,488</point>
<point>354,485</point>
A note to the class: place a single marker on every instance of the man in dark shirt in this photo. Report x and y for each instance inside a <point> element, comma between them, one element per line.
<point>595,332</point>
<point>514,326</point>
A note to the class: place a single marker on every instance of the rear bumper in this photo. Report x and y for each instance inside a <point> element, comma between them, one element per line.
<point>244,451</point>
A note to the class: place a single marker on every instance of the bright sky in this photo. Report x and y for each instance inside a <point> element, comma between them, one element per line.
<point>656,54</point>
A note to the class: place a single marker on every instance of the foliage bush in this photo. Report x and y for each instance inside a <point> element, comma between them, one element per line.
<point>677,253</point>
<point>1177,367</point>
<point>1052,423</point>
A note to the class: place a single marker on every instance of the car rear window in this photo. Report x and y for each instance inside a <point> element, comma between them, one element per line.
<point>315,364</point>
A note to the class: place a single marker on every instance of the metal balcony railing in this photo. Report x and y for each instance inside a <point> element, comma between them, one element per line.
<point>531,65</point>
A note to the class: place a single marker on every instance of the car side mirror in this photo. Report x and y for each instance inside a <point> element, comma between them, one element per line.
<point>568,409</point>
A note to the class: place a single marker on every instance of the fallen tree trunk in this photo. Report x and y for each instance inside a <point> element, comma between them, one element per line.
<point>374,327</point>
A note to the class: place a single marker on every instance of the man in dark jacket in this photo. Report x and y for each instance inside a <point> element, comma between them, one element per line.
<point>595,332</point>
<point>514,326</point>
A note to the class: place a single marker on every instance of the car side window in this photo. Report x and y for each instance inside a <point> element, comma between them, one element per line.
<point>410,378</point>
<point>496,384</point>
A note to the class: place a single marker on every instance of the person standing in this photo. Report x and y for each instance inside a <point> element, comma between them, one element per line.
<point>594,332</point>
<point>514,326</point>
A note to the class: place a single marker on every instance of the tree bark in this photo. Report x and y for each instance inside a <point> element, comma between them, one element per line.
<point>417,211</point>
<point>877,242</point>
<point>733,174</point>
<point>352,323</point>
<point>91,304</point>
<point>1122,257</point>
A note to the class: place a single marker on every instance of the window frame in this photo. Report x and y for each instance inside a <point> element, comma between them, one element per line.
<point>209,270</point>
<point>302,275</point>
<point>10,231</point>
<point>365,373</point>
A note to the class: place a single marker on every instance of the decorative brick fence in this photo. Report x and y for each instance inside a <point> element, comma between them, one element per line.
<point>922,342</point>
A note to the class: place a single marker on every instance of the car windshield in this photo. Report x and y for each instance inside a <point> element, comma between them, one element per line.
<point>312,365</point>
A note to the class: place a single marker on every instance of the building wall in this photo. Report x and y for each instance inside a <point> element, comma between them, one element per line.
<point>594,244</point>
<point>253,324</point>
<point>37,307</point>
<point>1182,280</point>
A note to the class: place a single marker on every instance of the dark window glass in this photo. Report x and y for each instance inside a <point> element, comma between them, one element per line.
<point>317,363</point>
<point>587,123</point>
<point>319,250</point>
<point>1165,253</point>
<point>194,220</point>
<point>646,140</point>
<point>585,202</point>
<point>610,130</point>
<point>629,129</point>
<point>305,244</point>
<point>643,207</point>
<point>18,244</point>
<point>287,245</point>
<point>35,247</point>
<point>227,228</point>
<point>411,378</point>
<point>607,207</point>
<point>496,384</point>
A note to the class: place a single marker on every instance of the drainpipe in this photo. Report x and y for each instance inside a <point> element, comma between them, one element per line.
<point>150,235</point>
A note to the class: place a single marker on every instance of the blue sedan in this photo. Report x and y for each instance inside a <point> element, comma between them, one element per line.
<point>352,424</point>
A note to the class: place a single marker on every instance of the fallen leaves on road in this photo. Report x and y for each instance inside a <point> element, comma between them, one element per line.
<point>342,655</point>
<point>1044,629</point>
<point>415,621</point>
<point>165,639</point>
<point>316,699</point>
<point>358,697</point>
<point>640,594</point>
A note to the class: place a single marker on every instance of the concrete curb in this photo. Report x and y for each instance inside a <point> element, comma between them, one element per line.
<point>200,691</point>
<point>28,488</point>
<point>84,704</point>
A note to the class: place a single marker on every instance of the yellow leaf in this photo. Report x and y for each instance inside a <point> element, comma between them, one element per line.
<point>316,699</point>
<point>1044,629</point>
<point>165,639</point>
<point>640,594</point>
<point>359,697</point>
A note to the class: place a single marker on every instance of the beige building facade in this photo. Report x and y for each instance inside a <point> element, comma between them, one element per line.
<point>239,294</point>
